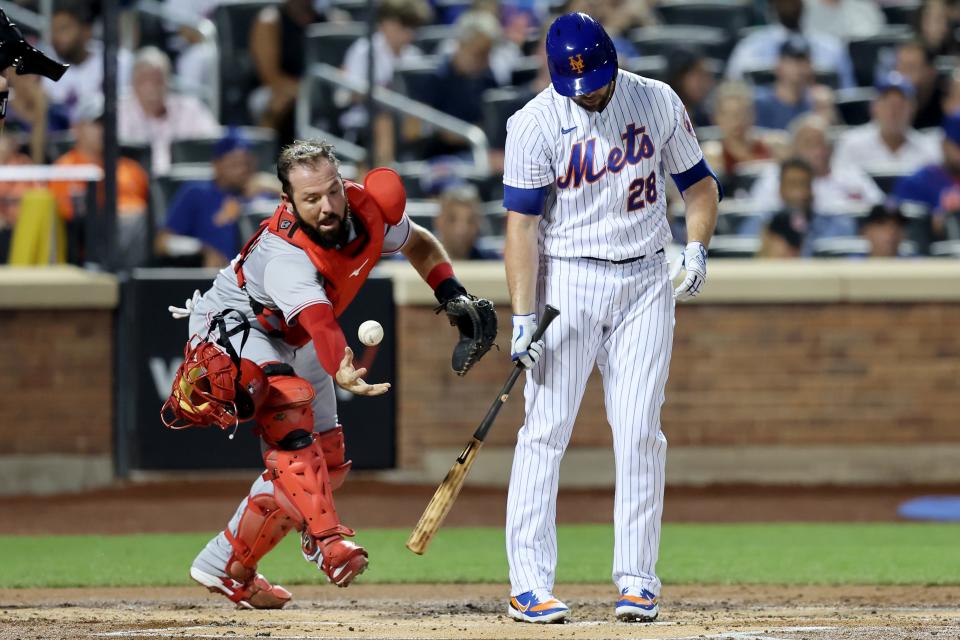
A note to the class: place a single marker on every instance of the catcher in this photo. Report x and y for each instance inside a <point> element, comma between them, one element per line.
<point>249,359</point>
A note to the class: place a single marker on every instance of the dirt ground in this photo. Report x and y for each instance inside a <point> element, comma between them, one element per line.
<point>477,611</point>
<point>206,504</point>
<point>463,611</point>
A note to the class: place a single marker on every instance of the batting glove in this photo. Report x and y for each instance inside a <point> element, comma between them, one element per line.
<point>180,313</point>
<point>521,349</point>
<point>695,262</point>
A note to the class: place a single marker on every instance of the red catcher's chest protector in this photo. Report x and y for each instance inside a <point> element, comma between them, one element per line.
<point>380,200</point>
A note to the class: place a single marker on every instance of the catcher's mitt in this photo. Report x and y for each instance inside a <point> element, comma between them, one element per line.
<point>476,321</point>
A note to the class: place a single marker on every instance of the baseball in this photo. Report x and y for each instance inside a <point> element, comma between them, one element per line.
<point>370,333</point>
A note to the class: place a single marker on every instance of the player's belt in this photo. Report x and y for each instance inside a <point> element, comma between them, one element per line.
<point>659,252</point>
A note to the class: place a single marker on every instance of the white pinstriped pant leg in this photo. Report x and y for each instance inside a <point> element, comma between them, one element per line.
<point>634,361</point>
<point>553,391</point>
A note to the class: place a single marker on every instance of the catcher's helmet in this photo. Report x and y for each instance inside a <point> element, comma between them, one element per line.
<point>580,55</point>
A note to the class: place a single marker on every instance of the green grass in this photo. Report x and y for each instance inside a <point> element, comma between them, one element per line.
<point>713,554</point>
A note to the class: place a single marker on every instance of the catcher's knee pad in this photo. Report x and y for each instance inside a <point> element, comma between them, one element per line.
<point>262,525</point>
<point>335,453</point>
<point>304,489</point>
<point>285,419</point>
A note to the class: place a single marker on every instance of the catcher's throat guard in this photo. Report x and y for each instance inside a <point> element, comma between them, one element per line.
<point>214,385</point>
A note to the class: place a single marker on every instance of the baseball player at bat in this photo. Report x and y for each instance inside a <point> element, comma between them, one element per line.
<point>267,346</point>
<point>586,231</point>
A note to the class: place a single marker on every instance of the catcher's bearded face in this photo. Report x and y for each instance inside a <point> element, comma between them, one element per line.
<point>319,202</point>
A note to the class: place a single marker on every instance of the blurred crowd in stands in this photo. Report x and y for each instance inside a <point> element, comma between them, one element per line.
<point>834,125</point>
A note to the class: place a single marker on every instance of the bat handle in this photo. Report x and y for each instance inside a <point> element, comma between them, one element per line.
<point>549,315</point>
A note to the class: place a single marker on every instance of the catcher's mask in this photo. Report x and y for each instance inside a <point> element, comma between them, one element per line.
<point>214,385</point>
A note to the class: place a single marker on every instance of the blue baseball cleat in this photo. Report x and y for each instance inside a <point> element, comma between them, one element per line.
<point>537,606</point>
<point>637,605</point>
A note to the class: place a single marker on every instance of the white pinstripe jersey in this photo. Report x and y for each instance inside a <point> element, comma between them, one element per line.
<point>607,168</point>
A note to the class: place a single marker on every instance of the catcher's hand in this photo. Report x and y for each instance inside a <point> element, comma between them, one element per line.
<point>476,321</point>
<point>180,313</point>
<point>351,379</point>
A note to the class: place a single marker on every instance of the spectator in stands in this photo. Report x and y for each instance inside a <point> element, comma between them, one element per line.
<point>836,188</point>
<point>276,45</point>
<point>618,18</point>
<point>30,113</point>
<point>937,26</point>
<point>10,192</point>
<point>885,229</point>
<point>915,62</point>
<point>689,74</point>
<point>196,60</point>
<point>843,19</point>
<point>739,141</point>
<point>760,49</point>
<point>938,186</point>
<point>951,94</point>
<point>778,105</point>
<point>71,34</point>
<point>208,211</point>
<point>888,143</point>
<point>150,113</point>
<point>458,223</point>
<point>397,21</point>
<point>457,86</point>
<point>793,230</point>
<point>133,184</point>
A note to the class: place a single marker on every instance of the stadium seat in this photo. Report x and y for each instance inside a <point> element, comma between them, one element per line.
<point>841,247</point>
<point>765,76</point>
<point>356,9</point>
<point>59,142</point>
<point>900,11</point>
<point>412,78</point>
<point>854,104</point>
<point>648,66</point>
<point>200,150</point>
<point>729,15</point>
<point>733,247</point>
<point>886,180</point>
<point>430,37</point>
<point>747,174</point>
<point>163,189</point>
<point>663,39</point>
<point>234,19</point>
<point>946,249</point>
<point>498,106</point>
<point>329,42</point>
<point>873,51</point>
<point>423,212</point>
<point>525,70</point>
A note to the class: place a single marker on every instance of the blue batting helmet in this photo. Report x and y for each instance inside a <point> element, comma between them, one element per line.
<point>580,55</point>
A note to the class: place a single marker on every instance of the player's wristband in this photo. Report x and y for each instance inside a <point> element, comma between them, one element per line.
<point>444,284</point>
<point>4,96</point>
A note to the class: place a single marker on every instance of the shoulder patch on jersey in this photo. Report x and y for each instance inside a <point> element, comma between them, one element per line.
<point>688,125</point>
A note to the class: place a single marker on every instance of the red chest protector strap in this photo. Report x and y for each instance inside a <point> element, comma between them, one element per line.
<point>381,199</point>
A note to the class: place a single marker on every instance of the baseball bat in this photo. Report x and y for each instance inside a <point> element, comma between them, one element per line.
<point>445,495</point>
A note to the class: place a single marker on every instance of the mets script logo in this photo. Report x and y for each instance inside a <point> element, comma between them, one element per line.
<point>576,63</point>
<point>638,146</point>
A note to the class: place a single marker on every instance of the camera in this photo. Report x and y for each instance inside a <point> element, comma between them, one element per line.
<point>16,52</point>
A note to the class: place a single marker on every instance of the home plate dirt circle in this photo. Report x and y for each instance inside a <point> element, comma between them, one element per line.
<point>468,612</point>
